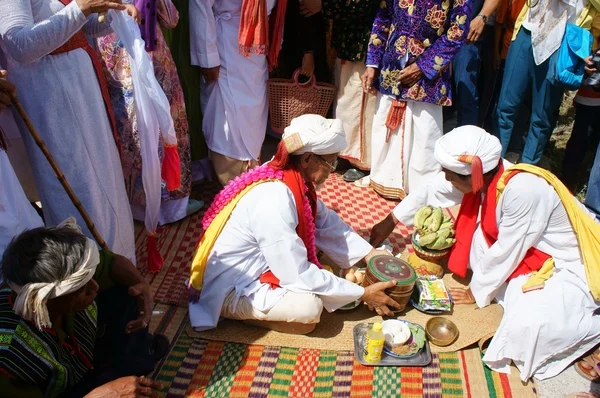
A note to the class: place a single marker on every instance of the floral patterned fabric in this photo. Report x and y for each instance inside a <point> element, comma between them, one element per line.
<point>352,23</point>
<point>428,32</point>
<point>116,67</point>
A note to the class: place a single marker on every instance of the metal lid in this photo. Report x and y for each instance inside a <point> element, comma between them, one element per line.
<point>386,268</point>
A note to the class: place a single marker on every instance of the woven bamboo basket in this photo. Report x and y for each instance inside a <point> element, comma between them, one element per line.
<point>289,99</point>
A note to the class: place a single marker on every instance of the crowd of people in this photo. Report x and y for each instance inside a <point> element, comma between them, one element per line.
<point>75,317</point>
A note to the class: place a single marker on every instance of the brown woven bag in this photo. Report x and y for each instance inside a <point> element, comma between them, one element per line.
<point>289,99</point>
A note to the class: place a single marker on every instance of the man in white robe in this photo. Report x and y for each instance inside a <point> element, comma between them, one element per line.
<point>234,87</point>
<point>542,331</point>
<point>16,213</point>
<point>261,236</point>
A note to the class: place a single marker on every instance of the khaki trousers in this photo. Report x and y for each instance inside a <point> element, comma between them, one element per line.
<point>228,168</point>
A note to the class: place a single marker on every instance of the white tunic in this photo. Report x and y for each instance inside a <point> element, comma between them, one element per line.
<point>261,236</point>
<point>542,331</point>
<point>235,107</point>
<point>63,99</point>
<point>16,213</point>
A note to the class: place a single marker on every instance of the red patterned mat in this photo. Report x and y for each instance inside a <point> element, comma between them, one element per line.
<point>359,207</point>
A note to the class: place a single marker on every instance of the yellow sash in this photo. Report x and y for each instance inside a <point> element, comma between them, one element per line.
<point>210,237</point>
<point>585,227</point>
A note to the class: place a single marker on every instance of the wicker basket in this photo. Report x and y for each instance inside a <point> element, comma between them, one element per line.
<point>289,99</point>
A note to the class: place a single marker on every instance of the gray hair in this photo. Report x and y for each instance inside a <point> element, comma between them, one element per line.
<point>42,255</point>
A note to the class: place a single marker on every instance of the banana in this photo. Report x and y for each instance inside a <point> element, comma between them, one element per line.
<point>436,220</point>
<point>449,242</point>
<point>447,225</point>
<point>427,223</point>
<point>421,215</point>
<point>428,239</point>
<point>452,233</point>
<point>440,240</point>
<point>446,219</point>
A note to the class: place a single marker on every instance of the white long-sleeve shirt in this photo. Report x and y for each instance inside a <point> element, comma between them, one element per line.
<point>260,236</point>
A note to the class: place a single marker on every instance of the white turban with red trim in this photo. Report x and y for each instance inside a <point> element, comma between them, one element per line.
<point>316,134</point>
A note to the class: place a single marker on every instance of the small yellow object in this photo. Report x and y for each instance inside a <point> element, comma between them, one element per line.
<point>374,347</point>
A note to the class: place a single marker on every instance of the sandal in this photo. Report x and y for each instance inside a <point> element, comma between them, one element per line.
<point>353,175</point>
<point>592,361</point>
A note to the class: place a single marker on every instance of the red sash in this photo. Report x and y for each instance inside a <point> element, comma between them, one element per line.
<point>466,224</point>
<point>78,40</point>
<point>293,180</point>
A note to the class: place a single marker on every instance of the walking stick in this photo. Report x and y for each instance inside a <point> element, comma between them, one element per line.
<point>61,177</point>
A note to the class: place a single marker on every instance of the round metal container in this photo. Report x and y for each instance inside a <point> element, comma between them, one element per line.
<point>385,268</point>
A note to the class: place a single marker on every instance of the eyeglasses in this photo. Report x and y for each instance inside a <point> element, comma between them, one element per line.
<point>332,166</point>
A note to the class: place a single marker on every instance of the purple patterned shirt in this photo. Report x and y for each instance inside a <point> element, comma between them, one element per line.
<point>428,32</point>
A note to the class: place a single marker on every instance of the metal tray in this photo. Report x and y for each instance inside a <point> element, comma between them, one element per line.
<point>422,358</point>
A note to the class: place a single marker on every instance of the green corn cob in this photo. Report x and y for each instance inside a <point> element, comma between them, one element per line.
<point>427,239</point>
<point>421,215</point>
<point>436,220</point>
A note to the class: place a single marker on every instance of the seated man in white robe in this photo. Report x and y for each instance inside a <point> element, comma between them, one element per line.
<point>530,244</point>
<point>257,260</point>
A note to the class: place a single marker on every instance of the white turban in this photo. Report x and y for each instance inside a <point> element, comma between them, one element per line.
<point>314,133</point>
<point>32,297</point>
<point>454,150</point>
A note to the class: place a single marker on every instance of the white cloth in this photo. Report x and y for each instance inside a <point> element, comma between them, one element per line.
<point>314,133</point>
<point>32,297</point>
<point>260,236</point>
<point>235,107</point>
<point>542,331</point>
<point>152,110</point>
<point>471,141</point>
<point>406,161</point>
<point>16,213</point>
<point>61,95</point>
<point>292,307</point>
<point>356,109</point>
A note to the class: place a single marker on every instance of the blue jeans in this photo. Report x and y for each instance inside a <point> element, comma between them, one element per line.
<point>465,73</point>
<point>592,198</point>
<point>520,75</point>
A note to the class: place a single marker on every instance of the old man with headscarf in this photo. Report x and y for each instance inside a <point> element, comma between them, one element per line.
<point>257,260</point>
<point>530,244</point>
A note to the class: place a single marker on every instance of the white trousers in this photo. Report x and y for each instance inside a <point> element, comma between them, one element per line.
<point>356,109</point>
<point>406,161</point>
<point>293,307</point>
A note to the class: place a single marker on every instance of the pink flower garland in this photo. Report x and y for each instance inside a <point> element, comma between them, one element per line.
<point>261,173</point>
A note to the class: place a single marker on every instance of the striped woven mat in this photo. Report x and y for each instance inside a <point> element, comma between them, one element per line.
<point>201,368</point>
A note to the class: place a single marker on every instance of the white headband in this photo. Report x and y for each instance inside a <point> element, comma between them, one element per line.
<point>31,298</point>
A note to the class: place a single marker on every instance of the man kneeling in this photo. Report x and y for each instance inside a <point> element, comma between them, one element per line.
<point>70,322</point>
<point>257,260</point>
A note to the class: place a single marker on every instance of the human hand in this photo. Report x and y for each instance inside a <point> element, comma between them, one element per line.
<point>475,29</point>
<point>308,64</point>
<point>5,88</point>
<point>382,230</point>
<point>127,387</point>
<point>410,75</point>
<point>461,295</point>
<point>145,304</point>
<point>377,300</point>
<point>589,65</point>
<point>210,74</point>
<point>368,78</point>
<point>308,8</point>
<point>88,7</point>
<point>134,13</point>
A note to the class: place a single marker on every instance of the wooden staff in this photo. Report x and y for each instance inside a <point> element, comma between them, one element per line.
<point>61,177</point>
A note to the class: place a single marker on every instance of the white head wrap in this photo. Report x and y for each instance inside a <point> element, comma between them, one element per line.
<point>32,297</point>
<point>314,133</point>
<point>469,141</point>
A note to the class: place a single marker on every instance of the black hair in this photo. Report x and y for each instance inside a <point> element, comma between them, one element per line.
<point>42,255</point>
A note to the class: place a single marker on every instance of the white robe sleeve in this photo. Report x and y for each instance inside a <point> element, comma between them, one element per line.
<point>439,193</point>
<point>524,216</point>
<point>203,34</point>
<point>273,224</point>
<point>26,41</point>
<point>337,239</point>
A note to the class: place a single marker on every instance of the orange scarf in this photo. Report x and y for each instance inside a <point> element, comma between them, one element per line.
<point>253,36</point>
<point>294,182</point>
<point>466,224</point>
